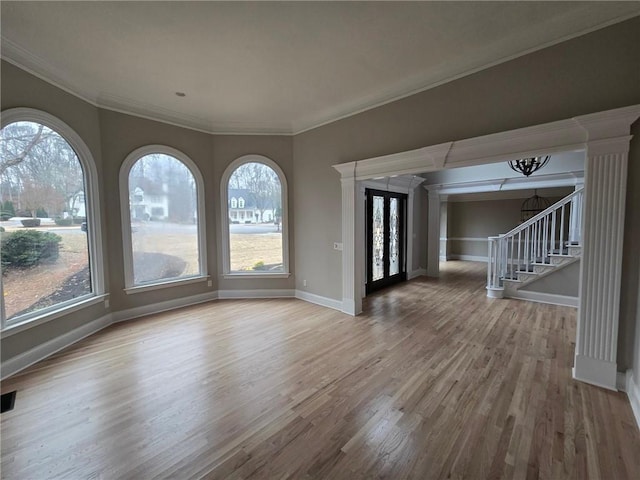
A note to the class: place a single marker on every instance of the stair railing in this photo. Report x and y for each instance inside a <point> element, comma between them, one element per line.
<point>550,232</point>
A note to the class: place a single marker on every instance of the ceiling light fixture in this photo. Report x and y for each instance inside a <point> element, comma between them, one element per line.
<point>527,166</point>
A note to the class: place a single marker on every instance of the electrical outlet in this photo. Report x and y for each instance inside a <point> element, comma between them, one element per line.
<point>106,303</point>
<point>304,283</point>
<point>209,283</point>
<point>337,246</point>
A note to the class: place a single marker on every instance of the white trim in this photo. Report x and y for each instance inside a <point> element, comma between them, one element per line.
<point>633,392</point>
<point>125,209</point>
<point>509,184</point>
<point>319,300</point>
<point>594,371</point>
<point>144,310</point>
<point>468,258</point>
<point>91,181</point>
<point>467,239</point>
<point>550,298</point>
<point>420,272</point>
<point>44,317</point>
<point>444,258</point>
<point>245,276</point>
<point>257,293</point>
<point>165,284</point>
<point>621,381</point>
<point>41,68</point>
<point>44,350</point>
<point>224,208</point>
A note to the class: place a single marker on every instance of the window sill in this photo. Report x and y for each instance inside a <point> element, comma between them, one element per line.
<point>167,284</point>
<point>22,325</point>
<point>243,275</point>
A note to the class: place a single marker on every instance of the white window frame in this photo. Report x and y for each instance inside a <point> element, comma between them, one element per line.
<point>224,203</point>
<point>94,222</point>
<point>125,213</point>
<point>234,202</point>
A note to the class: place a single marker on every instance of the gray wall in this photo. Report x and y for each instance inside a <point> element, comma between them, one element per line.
<point>564,281</point>
<point>596,72</point>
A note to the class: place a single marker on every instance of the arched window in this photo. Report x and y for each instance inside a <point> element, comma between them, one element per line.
<point>51,258</point>
<point>257,244</point>
<point>161,197</point>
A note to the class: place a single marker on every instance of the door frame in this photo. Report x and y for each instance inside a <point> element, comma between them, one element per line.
<point>401,276</point>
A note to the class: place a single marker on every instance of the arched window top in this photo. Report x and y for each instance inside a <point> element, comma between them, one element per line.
<point>260,186</point>
<point>162,204</point>
<point>49,174</point>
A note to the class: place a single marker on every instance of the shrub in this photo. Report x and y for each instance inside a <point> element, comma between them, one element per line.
<point>79,220</point>
<point>30,222</point>
<point>4,216</point>
<point>2,230</point>
<point>25,248</point>
<point>64,222</point>
<point>41,213</point>
<point>8,208</point>
<point>259,266</point>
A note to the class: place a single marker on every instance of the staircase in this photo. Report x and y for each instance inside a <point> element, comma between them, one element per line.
<point>547,242</point>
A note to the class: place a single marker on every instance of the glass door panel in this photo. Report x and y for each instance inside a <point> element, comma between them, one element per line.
<point>386,237</point>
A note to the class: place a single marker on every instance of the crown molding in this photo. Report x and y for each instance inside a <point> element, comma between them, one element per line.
<point>48,72</point>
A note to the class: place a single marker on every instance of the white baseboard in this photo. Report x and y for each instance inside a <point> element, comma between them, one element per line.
<point>540,297</point>
<point>44,350</point>
<point>443,258</point>
<point>596,372</point>
<point>468,258</point>
<point>261,293</point>
<point>420,272</point>
<point>633,392</point>
<point>145,310</point>
<point>319,300</point>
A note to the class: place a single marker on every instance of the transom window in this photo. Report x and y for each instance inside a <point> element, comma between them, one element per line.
<point>48,235</point>
<point>254,196</point>
<point>162,218</point>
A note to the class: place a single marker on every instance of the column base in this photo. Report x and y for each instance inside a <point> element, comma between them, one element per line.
<point>596,372</point>
<point>495,292</point>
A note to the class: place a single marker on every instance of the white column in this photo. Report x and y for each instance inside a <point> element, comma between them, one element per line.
<point>601,266</point>
<point>433,236</point>
<point>444,228</point>
<point>351,298</point>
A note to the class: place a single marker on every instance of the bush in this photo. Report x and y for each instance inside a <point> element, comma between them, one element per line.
<point>259,265</point>
<point>2,230</point>
<point>63,222</point>
<point>26,248</point>
<point>8,208</point>
<point>41,213</point>
<point>4,216</point>
<point>30,222</point>
<point>79,220</point>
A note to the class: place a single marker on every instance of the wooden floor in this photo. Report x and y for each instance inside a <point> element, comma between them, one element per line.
<point>434,381</point>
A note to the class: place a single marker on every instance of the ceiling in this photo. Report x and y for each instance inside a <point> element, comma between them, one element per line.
<point>280,67</point>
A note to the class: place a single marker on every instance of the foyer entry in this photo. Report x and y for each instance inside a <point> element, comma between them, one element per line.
<point>386,238</point>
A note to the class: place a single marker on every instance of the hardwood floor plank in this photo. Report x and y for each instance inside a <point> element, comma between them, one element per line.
<point>434,380</point>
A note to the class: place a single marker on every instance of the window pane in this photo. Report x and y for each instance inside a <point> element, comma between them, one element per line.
<point>44,247</point>
<point>255,223</point>
<point>377,259</point>
<point>394,237</point>
<point>163,209</point>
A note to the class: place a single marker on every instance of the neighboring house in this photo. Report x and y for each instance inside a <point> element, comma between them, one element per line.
<point>243,208</point>
<point>78,205</point>
<point>148,200</point>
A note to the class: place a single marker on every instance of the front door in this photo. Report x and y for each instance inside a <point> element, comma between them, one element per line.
<point>386,239</point>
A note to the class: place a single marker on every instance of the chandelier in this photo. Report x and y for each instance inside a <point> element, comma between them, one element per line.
<point>533,206</point>
<point>527,166</point>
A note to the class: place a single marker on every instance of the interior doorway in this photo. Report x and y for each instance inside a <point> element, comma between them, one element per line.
<point>386,239</point>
